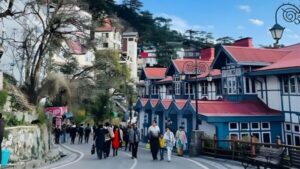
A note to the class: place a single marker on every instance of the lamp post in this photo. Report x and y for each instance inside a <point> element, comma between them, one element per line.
<point>196,68</point>
<point>290,13</point>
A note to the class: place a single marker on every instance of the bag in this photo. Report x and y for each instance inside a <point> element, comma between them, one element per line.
<point>148,146</point>
<point>93,149</point>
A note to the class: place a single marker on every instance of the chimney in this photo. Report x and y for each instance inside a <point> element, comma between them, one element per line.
<point>208,54</point>
<point>245,42</point>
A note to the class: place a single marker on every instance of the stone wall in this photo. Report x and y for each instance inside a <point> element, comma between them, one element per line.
<point>26,142</point>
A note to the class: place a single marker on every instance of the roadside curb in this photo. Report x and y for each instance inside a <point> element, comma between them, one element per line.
<point>73,154</point>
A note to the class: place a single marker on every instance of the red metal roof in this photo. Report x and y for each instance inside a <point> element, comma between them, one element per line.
<point>180,103</point>
<point>75,47</point>
<point>168,79</point>
<point>292,59</point>
<point>227,108</point>
<point>166,103</point>
<point>155,73</point>
<point>180,64</point>
<point>144,101</point>
<point>261,55</point>
<point>154,102</point>
<point>106,27</point>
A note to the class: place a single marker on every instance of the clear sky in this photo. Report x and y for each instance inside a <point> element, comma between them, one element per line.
<point>235,18</point>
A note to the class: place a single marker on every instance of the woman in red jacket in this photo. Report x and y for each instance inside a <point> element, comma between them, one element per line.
<point>116,141</point>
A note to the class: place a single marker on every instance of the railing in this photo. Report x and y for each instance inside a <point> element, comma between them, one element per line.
<point>239,150</point>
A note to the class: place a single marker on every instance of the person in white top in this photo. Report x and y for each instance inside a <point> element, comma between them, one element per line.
<point>153,135</point>
<point>170,142</point>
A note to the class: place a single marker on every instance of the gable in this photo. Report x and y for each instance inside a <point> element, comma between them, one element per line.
<point>222,58</point>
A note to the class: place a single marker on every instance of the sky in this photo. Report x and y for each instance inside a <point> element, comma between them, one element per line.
<point>234,18</point>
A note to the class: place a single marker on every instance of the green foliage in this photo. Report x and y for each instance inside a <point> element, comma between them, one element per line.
<point>42,118</point>
<point>9,79</point>
<point>3,97</point>
<point>79,118</point>
<point>165,54</point>
<point>100,108</point>
<point>13,121</point>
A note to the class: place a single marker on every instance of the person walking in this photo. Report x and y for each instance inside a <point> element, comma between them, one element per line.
<point>2,126</point>
<point>170,142</point>
<point>80,133</point>
<point>153,134</point>
<point>73,131</point>
<point>57,133</point>
<point>99,140</point>
<point>162,146</point>
<point>108,137</point>
<point>116,140</point>
<point>87,132</point>
<point>134,138</point>
<point>126,137</point>
<point>181,141</point>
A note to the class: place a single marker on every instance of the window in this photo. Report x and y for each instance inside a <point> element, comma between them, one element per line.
<point>285,85</point>
<point>188,89</point>
<point>253,86</point>
<point>245,136</point>
<point>130,39</point>
<point>177,85</point>
<point>147,84</point>
<point>296,128</point>
<point>218,87</point>
<point>169,90</point>
<point>287,127</point>
<point>234,136</point>
<point>293,85</point>
<point>233,126</point>
<point>256,135</point>
<point>247,85</point>
<point>153,89</point>
<point>231,84</point>
<point>265,126</point>
<point>255,126</point>
<point>105,45</point>
<point>105,35</point>
<point>266,137</point>
<point>288,139</point>
<point>297,140</point>
<point>244,126</point>
<point>204,87</point>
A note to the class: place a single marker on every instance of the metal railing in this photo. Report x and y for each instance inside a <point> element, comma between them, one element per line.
<point>239,149</point>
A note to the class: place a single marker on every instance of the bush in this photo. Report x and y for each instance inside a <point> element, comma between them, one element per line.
<point>3,97</point>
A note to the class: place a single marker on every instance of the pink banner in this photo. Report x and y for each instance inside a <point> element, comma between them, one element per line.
<point>56,111</point>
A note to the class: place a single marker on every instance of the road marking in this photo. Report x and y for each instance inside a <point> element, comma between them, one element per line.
<point>135,161</point>
<point>78,159</point>
<point>193,161</point>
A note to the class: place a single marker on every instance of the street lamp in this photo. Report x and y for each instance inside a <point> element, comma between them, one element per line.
<point>290,13</point>
<point>195,68</point>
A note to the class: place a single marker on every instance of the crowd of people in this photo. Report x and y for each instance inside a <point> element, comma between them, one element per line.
<point>107,137</point>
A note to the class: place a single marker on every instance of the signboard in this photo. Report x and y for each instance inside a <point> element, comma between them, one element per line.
<point>56,111</point>
<point>232,72</point>
<point>1,80</point>
<point>195,68</point>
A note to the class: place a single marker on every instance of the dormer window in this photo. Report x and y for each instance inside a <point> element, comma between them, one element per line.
<point>177,85</point>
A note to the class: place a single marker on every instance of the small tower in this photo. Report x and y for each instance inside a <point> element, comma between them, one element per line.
<point>129,52</point>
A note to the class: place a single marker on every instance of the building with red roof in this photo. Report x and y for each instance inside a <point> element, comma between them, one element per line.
<point>241,91</point>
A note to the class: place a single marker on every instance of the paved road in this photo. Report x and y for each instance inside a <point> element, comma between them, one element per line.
<point>85,160</point>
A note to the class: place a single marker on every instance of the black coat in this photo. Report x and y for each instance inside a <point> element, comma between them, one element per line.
<point>100,137</point>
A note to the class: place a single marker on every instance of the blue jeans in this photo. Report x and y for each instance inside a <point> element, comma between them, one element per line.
<point>162,151</point>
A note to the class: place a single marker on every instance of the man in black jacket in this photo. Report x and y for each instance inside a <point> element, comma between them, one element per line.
<point>2,126</point>
<point>99,139</point>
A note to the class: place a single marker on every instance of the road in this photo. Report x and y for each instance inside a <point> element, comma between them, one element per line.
<point>85,160</point>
